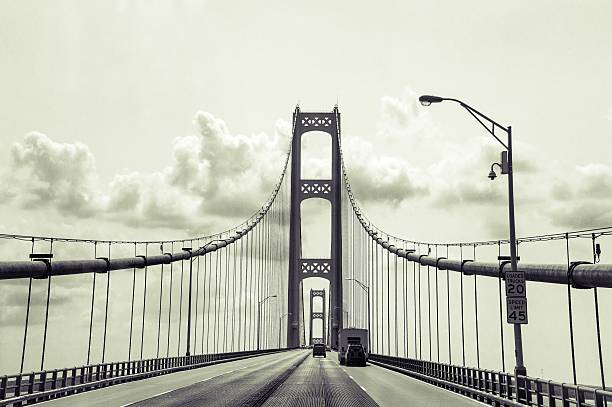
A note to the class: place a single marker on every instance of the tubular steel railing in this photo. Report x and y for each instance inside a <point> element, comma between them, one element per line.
<point>29,388</point>
<point>496,388</point>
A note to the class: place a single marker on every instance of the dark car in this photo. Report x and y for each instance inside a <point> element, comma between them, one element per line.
<point>355,355</point>
<point>318,349</point>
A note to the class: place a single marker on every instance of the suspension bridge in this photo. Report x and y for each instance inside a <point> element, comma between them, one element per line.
<point>222,319</point>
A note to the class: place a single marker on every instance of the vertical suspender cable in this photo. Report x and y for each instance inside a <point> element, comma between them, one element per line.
<point>204,296</point>
<point>598,331</point>
<point>240,318</point>
<point>395,310</point>
<point>258,286</point>
<point>197,300</point>
<point>429,304</point>
<point>132,308</point>
<point>437,311</point>
<point>170,303</point>
<point>368,243</point>
<point>420,313</point>
<point>250,290</point>
<point>414,300</point>
<point>233,331</point>
<point>180,318</point>
<point>225,289</point>
<point>93,296</point>
<point>208,299</point>
<point>388,302</point>
<point>405,302</point>
<point>462,317</point>
<point>27,318</point>
<point>476,313</point>
<point>161,296</point>
<point>144,300</point>
<point>569,307</point>
<point>44,344</point>
<point>448,314</point>
<point>108,275</point>
<point>247,294</point>
<point>352,248</point>
<point>216,329</point>
<point>374,291</point>
<point>264,281</point>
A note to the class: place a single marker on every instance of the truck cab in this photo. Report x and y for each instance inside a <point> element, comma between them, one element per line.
<point>357,340</point>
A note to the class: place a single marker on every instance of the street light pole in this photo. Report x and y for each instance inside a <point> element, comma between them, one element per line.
<point>518,336</point>
<point>280,325</point>
<point>259,316</point>
<point>367,291</point>
<point>427,100</point>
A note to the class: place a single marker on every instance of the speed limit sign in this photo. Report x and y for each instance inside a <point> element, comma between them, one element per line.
<point>517,310</point>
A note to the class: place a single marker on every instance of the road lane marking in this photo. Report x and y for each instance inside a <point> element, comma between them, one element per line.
<point>363,388</point>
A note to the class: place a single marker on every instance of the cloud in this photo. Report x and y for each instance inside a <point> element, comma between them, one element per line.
<point>402,117</point>
<point>228,171</point>
<point>381,179</point>
<point>582,200</point>
<point>214,175</point>
<point>582,215</point>
<point>466,193</point>
<point>596,181</point>
<point>61,174</point>
<point>147,200</point>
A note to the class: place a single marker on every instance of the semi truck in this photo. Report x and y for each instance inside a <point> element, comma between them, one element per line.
<point>354,338</point>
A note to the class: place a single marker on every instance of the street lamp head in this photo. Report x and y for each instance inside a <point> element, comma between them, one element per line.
<point>427,100</point>
<point>492,174</point>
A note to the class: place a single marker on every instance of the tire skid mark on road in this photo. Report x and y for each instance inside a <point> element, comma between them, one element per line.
<point>272,386</point>
<point>261,364</point>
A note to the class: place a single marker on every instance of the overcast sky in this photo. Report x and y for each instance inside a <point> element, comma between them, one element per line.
<point>168,119</point>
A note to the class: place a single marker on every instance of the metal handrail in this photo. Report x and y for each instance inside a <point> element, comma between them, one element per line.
<point>493,386</point>
<point>41,385</point>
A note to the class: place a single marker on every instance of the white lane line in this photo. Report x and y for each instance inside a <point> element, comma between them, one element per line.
<point>363,388</point>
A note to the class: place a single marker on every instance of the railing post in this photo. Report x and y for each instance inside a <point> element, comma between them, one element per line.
<point>18,381</point>
<point>3,386</point>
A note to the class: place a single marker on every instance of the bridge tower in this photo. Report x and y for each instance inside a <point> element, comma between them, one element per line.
<point>317,315</point>
<point>301,189</point>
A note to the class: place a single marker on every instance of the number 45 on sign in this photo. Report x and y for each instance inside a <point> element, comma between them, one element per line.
<point>517,310</point>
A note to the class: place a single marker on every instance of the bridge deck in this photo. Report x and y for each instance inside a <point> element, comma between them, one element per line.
<point>287,379</point>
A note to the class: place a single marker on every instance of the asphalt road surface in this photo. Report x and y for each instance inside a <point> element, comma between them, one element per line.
<point>292,378</point>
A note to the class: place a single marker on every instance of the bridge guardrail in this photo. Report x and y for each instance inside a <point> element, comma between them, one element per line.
<point>496,388</point>
<point>33,387</point>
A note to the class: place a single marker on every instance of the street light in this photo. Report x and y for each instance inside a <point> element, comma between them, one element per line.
<point>259,316</point>
<point>506,167</point>
<point>280,325</point>
<point>367,291</point>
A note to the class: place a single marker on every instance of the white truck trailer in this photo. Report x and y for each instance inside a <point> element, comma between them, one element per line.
<point>350,336</point>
